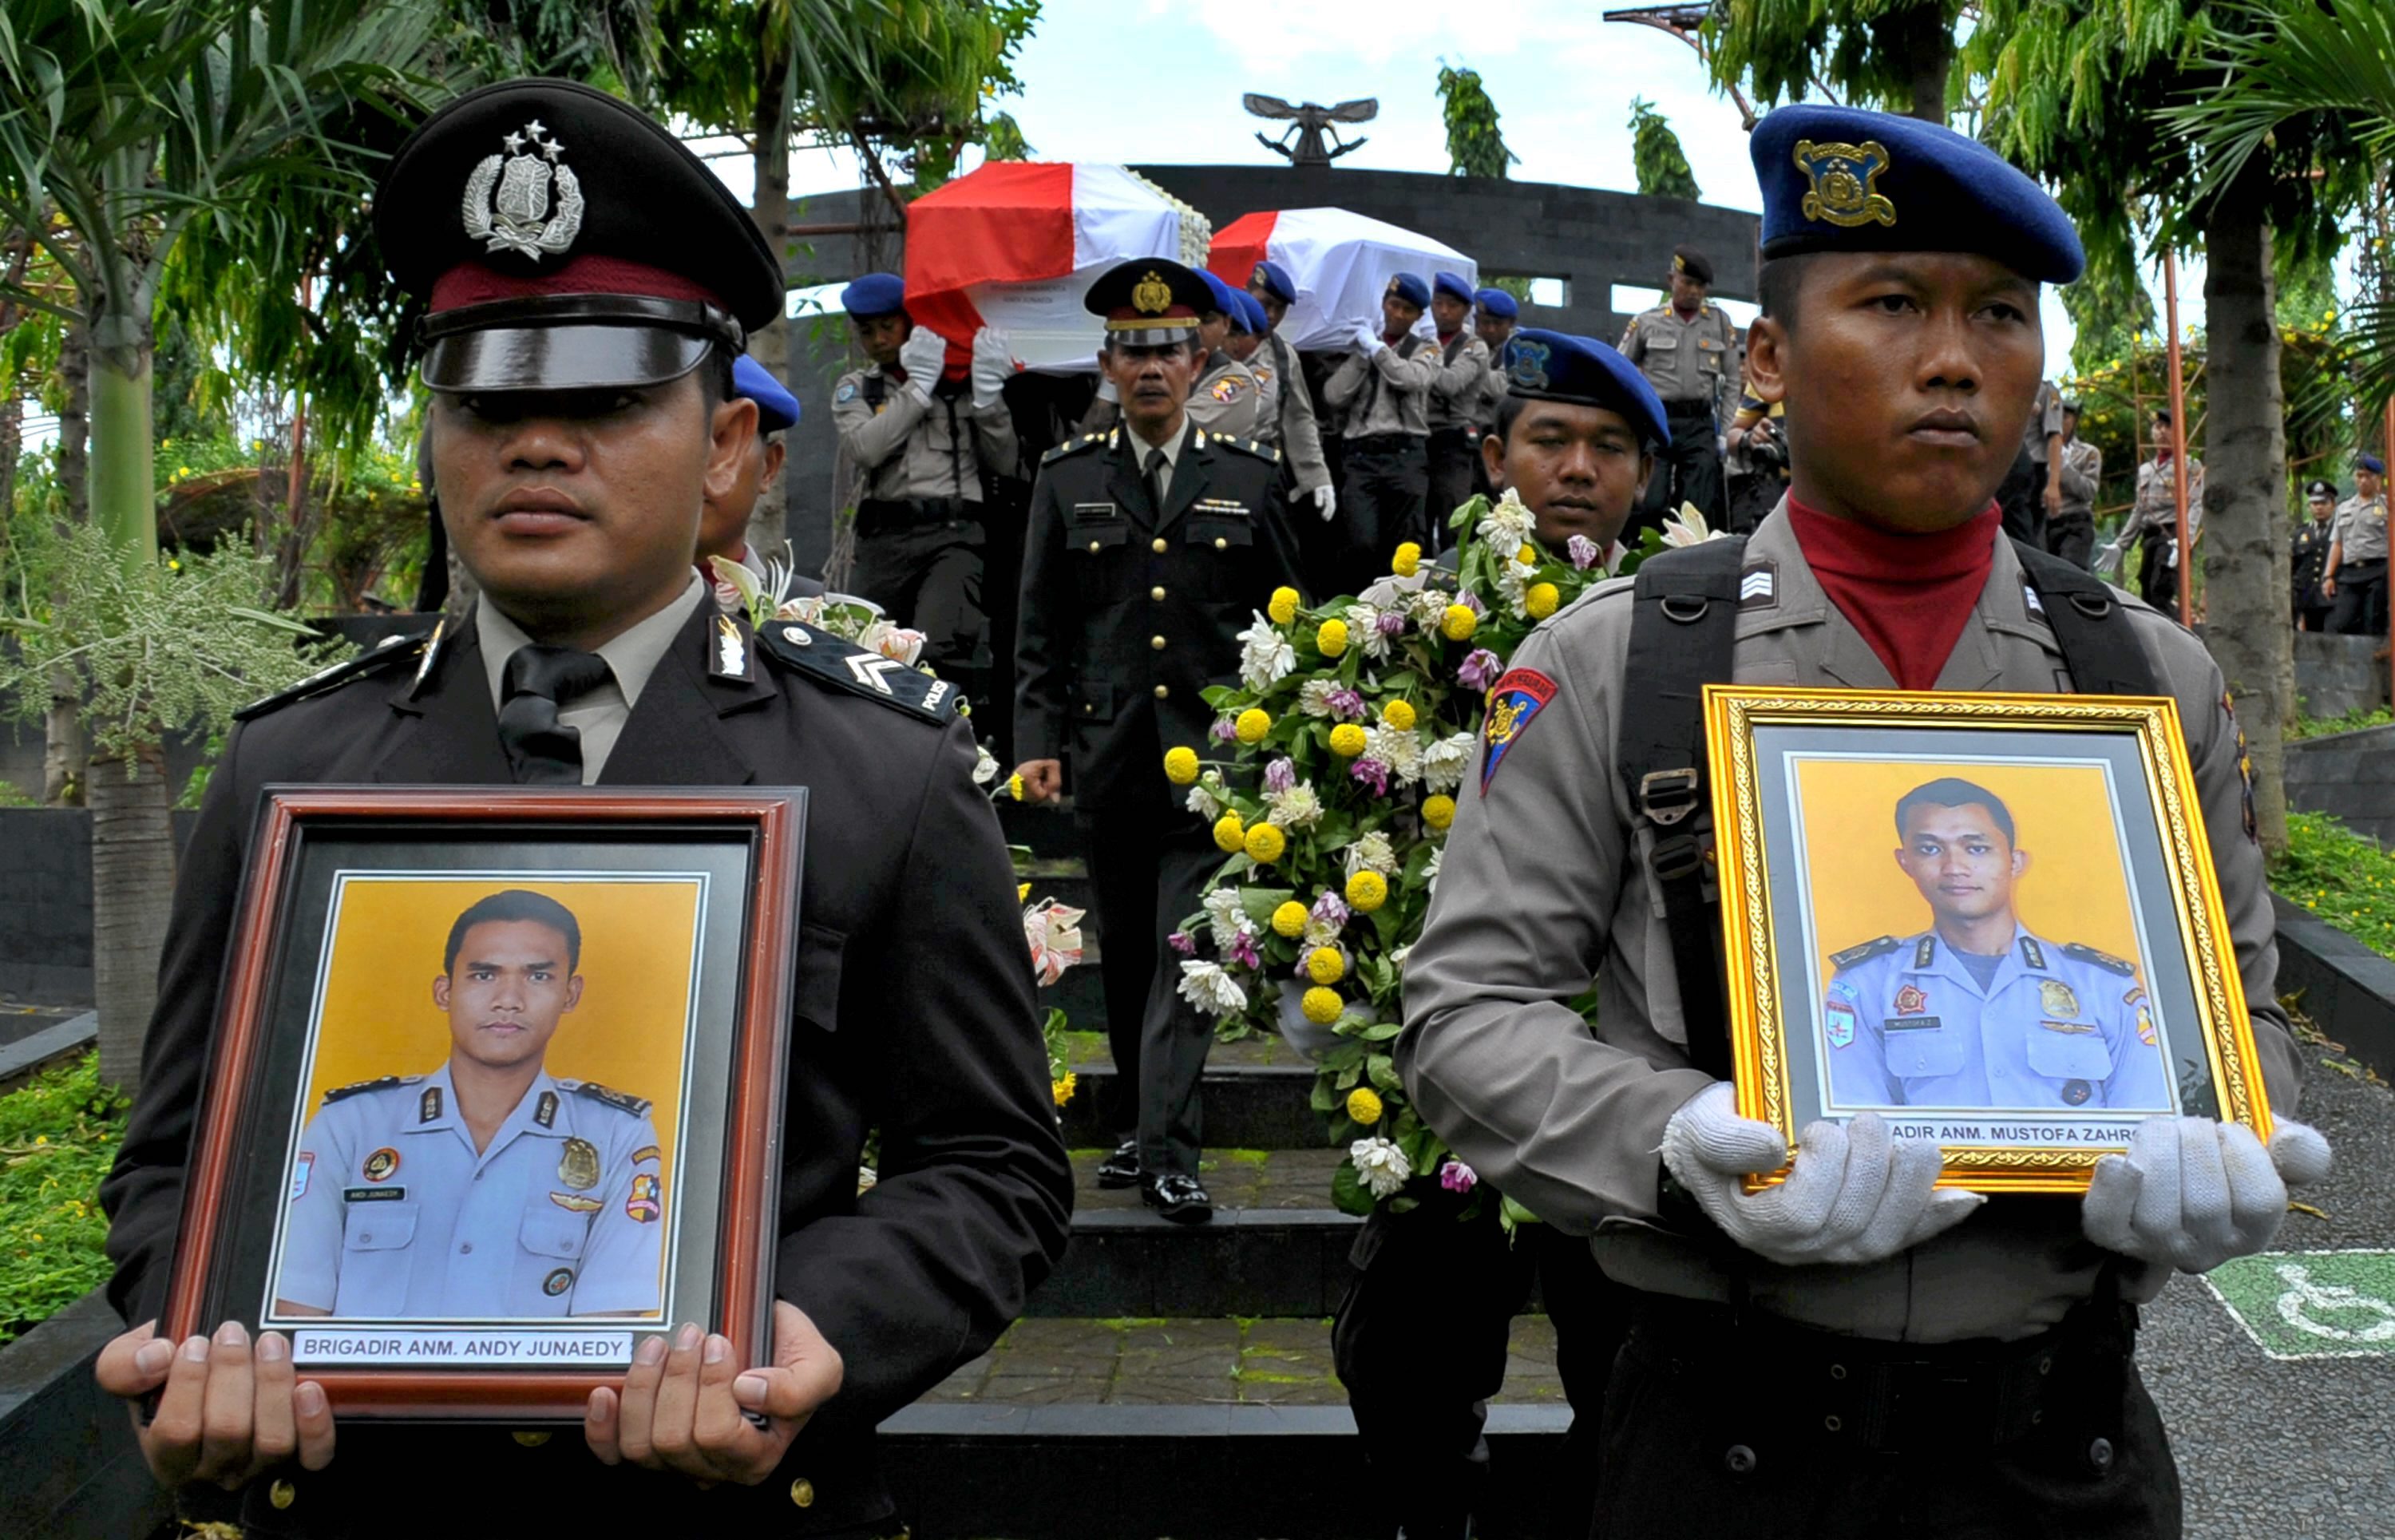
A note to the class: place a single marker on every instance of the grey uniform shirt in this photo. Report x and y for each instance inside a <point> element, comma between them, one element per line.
<point>908,449</point>
<point>2156,505</point>
<point>632,657</point>
<point>1492,394</point>
<point>2360,530</point>
<point>1455,390</point>
<point>1545,882</point>
<point>1226,398</point>
<point>394,1213</point>
<point>2083,467</point>
<point>1386,392</point>
<point>2045,421</point>
<point>1691,360</point>
<point>1290,424</point>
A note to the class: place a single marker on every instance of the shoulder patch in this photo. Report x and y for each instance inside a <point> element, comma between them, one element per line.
<point>622,1101</point>
<point>860,670</point>
<point>1227,388</point>
<point>1070,446</point>
<point>2104,960</point>
<point>1516,698</point>
<point>385,655</point>
<point>342,1093</point>
<point>1865,953</point>
<point>1264,452</point>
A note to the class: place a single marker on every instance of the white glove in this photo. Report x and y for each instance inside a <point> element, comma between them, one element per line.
<point>2171,559</point>
<point>921,355</point>
<point>1107,390</point>
<point>2194,1193</point>
<point>1855,1194</point>
<point>1326,502</point>
<point>1367,339</point>
<point>993,365</point>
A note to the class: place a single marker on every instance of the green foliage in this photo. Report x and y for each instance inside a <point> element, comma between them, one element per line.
<point>1474,148</point>
<point>1655,149</point>
<point>2348,721</point>
<point>2340,876</point>
<point>156,645</point>
<point>58,1134</point>
<point>1896,54</point>
<point>1002,138</point>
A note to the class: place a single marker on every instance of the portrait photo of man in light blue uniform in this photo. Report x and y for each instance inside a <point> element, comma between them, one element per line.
<point>486,1188</point>
<point>1976,1012</point>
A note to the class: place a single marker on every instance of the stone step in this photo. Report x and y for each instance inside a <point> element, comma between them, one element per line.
<point>1195,1428</point>
<point>1247,1106</point>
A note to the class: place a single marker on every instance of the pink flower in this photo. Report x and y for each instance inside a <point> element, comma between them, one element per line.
<point>1225,730</point>
<point>1472,602</point>
<point>1182,942</point>
<point>1584,552</point>
<point>1479,670</point>
<point>1055,933</point>
<point>1280,775</point>
<point>1243,949</point>
<point>1455,1175</point>
<point>1372,773</point>
<point>1329,909</point>
<point>1390,622</point>
<point>1346,705</point>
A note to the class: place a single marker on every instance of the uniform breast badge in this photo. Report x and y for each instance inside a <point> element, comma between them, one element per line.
<point>378,1166</point>
<point>521,219</point>
<point>2056,996</point>
<point>578,1167</point>
<point>1911,1000</point>
<point>1845,180</point>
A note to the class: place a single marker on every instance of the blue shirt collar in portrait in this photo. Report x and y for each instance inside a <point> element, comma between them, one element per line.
<point>874,294</point>
<point>1497,302</point>
<point>1549,366</point>
<point>1410,287</point>
<point>1453,284</point>
<point>776,408</point>
<point>1276,280</point>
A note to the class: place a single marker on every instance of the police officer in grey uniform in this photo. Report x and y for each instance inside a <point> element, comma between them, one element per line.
<point>1294,432</point>
<point>1689,349</point>
<point>1381,394</point>
<point>2071,530</point>
<point>486,1188</point>
<point>1975,1011</point>
<point>1457,394</point>
<point>1228,399</point>
<point>1855,1351</point>
<point>922,444</point>
<point>1249,332</point>
<point>1495,314</point>
<point>2356,580</point>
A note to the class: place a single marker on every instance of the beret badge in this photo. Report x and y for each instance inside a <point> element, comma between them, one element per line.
<point>1151,295</point>
<point>1845,178</point>
<point>520,218</point>
<point>1527,367</point>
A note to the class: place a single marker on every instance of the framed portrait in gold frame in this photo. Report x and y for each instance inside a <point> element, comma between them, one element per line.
<point>1991,919</point>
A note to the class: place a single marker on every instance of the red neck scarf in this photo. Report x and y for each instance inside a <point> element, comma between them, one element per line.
<point>1909,595</point>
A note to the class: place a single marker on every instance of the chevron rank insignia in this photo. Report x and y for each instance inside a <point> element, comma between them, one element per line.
<point>2104,960</point>
<point>342,1093</point>
<point>1865,953</point>
<point>826,659</point>
<point>386,654</point>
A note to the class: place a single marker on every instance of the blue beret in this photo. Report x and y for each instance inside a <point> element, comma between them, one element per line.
<point>1224,296</point>
<point>875,294</point>
<point>2371,463</point>
<point>1453,284</point>
<point>776,408</point>
<point>1546,366</point>
<point>1838,178</point>
<point>1410,289</point>
<point>1247,314</point>
<point>1497,302</point>
<point>1276,279</point>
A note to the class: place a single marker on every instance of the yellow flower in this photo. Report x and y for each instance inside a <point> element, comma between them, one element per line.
<point>1322,1006</point>
<point>1528,555</point>
<point>1253,724</point>
<point>1408,561</point>
<point>1181,764</point>
<point>1398,714</point>
<point>1230,835</point>
<point>1289,920</point>
<point>1366,891</point>
<point>1265,843</point>
<point>1023,893</point>
<point>1364,1105</point>
<point>1283,607</point>
<point>1541,600</point>
<point>1347,740</point>
<point>1331,639</point>
<point>1458,623</point>
<point>1062,1090</point>
<point>1438,811</point>
<point>1014,786</point>
<point>1325,965</point>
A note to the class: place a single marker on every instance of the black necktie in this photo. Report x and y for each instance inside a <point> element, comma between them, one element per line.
<point>538,679</point>
<point>1159,477</point>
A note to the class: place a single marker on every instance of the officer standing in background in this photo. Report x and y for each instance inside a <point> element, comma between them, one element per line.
<point>923,445</point>
<point>2356,580</point>
<point>1494,314</point>
<point>2070,529</point>
<point>723,522</point>
<point>1382,393</point>
<point>2308,558</point>
<point>1757,460</point>
<point>1293,429</point>
<point>1852,1351</point>
<point>582,410</point>
<point>1456,392</point>
<point>1147,551</point>
<point>1226,400</point>
<point>2154,518</point>
<point>2030,496</point>
<point>1689,350</point>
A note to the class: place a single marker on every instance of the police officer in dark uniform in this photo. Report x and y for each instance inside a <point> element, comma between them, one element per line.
<point>588,281</point>
<point>2308,558</point>
<point>1150,548</point>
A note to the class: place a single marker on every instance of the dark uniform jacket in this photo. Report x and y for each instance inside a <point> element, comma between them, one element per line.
<point>1128,613</point>
<point>2307,562</point>
<point>914,1006</point>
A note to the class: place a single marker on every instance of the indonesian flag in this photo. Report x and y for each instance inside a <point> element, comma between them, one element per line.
<point>1340,262</point>
<point>1016,243</point>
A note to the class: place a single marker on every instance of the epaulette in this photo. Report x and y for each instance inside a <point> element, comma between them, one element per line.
<point>1072,446</point>
<point>2103,960</point>
<point>382,655</point>
<point>385,1082</point>
<point>1865,953</point>
<point>826,659</point>
<point>1264,452</point>
<point>622,1101</point>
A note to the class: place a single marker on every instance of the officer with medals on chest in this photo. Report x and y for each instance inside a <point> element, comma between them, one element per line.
<point>1150,548</point>
<point>1854,1350</point>
<point>486,1188</point>
<point>580,334</point>
<point>1689,350</point>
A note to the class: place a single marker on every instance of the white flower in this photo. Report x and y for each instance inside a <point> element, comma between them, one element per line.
<point>1225,918</point>
<point>1430,870</point>
<point>1510,524</point>
<point>1513,576</point>
<point>893,641</point>
<point>1429,608</point>
<point>1445,762</point>
<point>1055,933</point>
<point>1314,697</point>
<point>1296,808</point>
<point>1690,528</point>
<point>1319,933</point>
<point>808,608</point>
<point>1381,1166</point>
<point>1211,990</point>
<point>1397,958</point>
<point>1385,593</point>
<point>745,591</point>
<point>1399,748</point>
<point>1364,631</point>
<point>1265,656</point>
<point>1372,852</point>
<point>1205,800</point>
<point>866,1177</point>
<point>985,766</point>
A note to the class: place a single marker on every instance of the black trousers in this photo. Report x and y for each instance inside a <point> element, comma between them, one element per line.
<point>2022,496</point>
<point>1689,469</point>
<point>2157,579</point>
<point>1715,1426</point>
<point>2360,608</point>
<point>1453,453</point>
<point>929,577</point>
<point>2073,538</point>
<point>1420,1342</point>
<point>1147,867</point>
<point>1385,484</point>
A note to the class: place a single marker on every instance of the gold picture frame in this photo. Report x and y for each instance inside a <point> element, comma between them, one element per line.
<point>2066,1043</point>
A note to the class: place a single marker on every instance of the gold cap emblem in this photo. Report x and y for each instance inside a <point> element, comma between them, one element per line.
<point>1152,294</point>
<point>578,1167</point>
<point>1845,178</point>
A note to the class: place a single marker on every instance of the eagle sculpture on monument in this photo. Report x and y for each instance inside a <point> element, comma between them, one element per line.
<point>1309,123</point>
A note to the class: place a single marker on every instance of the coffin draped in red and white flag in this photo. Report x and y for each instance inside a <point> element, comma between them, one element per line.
<point>1340,262</point>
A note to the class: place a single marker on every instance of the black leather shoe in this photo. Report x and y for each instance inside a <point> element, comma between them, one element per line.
<point>1121,1168</point>
<point>1180,1199</point>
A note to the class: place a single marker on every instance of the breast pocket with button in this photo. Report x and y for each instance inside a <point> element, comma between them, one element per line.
<point>550,1243</point>
<point>1220,542</point>
<point>1922,1052</point>
<point>375,1258</point>
<point>2069,1055</point>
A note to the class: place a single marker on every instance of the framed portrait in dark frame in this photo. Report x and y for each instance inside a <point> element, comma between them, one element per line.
<point>496,1089</point>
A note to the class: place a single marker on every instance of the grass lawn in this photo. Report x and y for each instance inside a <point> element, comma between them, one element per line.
<point>2340,876</point>
<point>58,1134</point>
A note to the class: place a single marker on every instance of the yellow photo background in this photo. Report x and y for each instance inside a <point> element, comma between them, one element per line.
<point>626,1033</point>
<point>2074,889</point>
